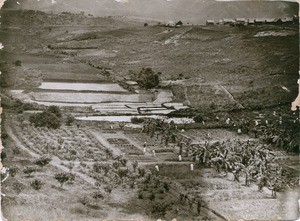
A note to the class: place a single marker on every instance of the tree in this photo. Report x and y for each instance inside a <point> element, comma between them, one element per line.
<point>147,78</point>
<point>45,119</point>
<point>62,178</point>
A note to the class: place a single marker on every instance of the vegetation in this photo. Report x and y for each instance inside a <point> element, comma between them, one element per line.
<point>43,161</point>
<point>147,78</point>
<point>62,178</point>
<point>70,119</point>
<point>29,170</point>
<point>36,184</point>
<point>50,118</point>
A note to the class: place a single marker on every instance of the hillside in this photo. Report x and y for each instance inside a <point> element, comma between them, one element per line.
<point>249,63</point>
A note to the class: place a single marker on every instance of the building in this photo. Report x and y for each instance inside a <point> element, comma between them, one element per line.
<point>210,22</point>
<point>179,24</point>
<point>260,21</point>
<point>251,21</point>
<point>228,21</point>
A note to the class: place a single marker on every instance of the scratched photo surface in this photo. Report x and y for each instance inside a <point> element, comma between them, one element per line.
<point>149,109</point>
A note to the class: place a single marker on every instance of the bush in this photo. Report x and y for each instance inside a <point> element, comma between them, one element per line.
<point>108,189</point>
<point>13,171</point>
<point>145,24</point>
<point>36,184</point>
<point>18,63</point>
<point>159,209</point>
<point>62,178</point>
<point>136,120</point>
<point>97,195</point>
<point>43,161</point>
<point>142,172</point>
<point>70,119</point>
<point>198,118</point>
<point>3,155</point>
<point>147,78</point>
<point>29,170</point>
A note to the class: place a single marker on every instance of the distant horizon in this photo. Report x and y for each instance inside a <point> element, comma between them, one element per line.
<point>192,11</point>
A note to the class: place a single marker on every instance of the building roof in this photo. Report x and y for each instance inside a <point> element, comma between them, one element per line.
<point>260,20</point>
<point>240,20</point>
<point>210,21</point>
<point>228,20</point>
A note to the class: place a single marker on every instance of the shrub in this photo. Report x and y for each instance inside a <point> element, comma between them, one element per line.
<point>36,184</point>
<point>43,161</point>
<point>13,171</point>
<point>97,195</point>
<point>142,172</point>
<point>145,24</point>
<point>108,189</point>
<point>54,110</point>
<point>29,170</point>
<point>122,172</point>
<point>198,118</point>
<point>70,119</point>
<point>116,165</point>
<point>97,167</point>
<point>159,209</point>
<point>3,155</point>
<point>136,120</point>
<point>62,178</point>
<point>123,162</point>
<point>18,63</point>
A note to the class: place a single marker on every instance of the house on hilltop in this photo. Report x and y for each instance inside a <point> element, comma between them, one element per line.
<point>210,22</point>
<point>179,24</point>
<point>260,21</point>
<point>228,21</point>
<point>251,21</point>
<point>171,24</point>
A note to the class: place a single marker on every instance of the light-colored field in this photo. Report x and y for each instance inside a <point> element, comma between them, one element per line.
<point>85,97</point>
<point>81,86</point>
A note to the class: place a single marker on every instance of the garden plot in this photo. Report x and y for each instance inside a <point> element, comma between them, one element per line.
<point>125,146</point>
<point>81,86</point>
<point>67,143</point>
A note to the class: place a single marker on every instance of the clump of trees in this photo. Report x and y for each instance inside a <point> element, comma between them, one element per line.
<point>50,118</point>
<point>147,78</point>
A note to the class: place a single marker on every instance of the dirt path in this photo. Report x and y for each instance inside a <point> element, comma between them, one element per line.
<point>230,96</point>
<point>56,162</point>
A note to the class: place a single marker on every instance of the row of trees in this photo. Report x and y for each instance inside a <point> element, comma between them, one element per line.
<point>251,160</point>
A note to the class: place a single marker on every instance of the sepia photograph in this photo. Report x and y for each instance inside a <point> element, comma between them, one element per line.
<point>149,110</point>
